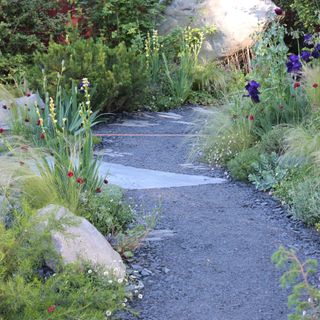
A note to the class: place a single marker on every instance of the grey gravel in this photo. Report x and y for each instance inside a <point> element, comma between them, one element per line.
<point>223,236</point>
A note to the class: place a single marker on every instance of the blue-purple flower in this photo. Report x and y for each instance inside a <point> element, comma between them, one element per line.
<point>306,55</point>
<point>294,64</point>
<point>253,92</point>
<point>308,40</point>
<point>316,51</point>
<point>81,86</point>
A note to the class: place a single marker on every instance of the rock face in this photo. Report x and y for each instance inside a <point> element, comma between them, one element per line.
<point>236,21</point>
<point>23,102</point>
<point>81,240</point>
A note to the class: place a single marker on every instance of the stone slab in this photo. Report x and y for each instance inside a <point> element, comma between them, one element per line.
<point>132,178</point>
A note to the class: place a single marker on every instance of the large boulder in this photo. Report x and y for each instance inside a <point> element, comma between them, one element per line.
<point>81,241</point>
<point>236,21</point>
<point>6,101</point>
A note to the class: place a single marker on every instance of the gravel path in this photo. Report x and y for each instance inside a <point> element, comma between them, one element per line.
<point>215,265</point>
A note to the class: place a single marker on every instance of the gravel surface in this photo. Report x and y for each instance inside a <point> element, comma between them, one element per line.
<point>213,261</point>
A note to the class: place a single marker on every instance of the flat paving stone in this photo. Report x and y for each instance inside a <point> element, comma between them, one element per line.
<point>132,178</point>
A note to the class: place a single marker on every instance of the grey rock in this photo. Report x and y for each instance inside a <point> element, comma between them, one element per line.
<point>166,270</point>
<point>235,20</point>
<point>80,240</point>
<point>146,273</point>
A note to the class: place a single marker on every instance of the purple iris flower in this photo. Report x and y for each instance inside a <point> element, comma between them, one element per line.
<point>306,55</point>
<point>252,88</point>
<point>294,64</point>
<point>316,51</point>
<point>308,40</point>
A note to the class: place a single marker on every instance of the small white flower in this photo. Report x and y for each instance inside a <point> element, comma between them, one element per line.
<point>120,281</point>
<point>140,296</point>
<point>304,313</point>
<point>110,281</point>
<point>108,313</point>
<point>106,273</point>
<point>123,304</point>
<point>125,300</point>
<point>89,271</point>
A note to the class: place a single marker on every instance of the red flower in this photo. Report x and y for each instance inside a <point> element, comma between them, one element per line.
<point>42,136</point>
<point>296,85</point>
<point>1,130</point>
<point>315,85</point>
<point>74,21</point>
<point>278,11</point>
<point>70,174</point>
<point>88,33</point>
<point>52,308</point>
<point>251,117</point>
<point>105,181</point>
<point>98,190</point>
<point>80,180</point>
<point>28,94</point>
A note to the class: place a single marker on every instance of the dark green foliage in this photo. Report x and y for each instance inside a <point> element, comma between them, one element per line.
<point>107,212</point>
<point>117,74</point>
<point>301,13</point>
<point>241,166</point>
<point>121,20</point>
<point>25,26</point>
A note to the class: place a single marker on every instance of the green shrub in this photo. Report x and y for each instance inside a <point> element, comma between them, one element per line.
<point>285,189</point>
<point>117,74</point>
<point>30,290</point>
<point>301,13</point>
<point>274,140</point>
<point>25,27</point>
<point>267,173</point>
<point>107,211</point>
<point>121,20</point>
<point>306,200</point>
<point>241,166</point>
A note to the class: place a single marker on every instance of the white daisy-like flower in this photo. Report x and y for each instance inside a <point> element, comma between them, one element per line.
<point>106,273</point>
<point>89,271</point>
<point>120,280</point>
<point>140,296</point>
<point>108,313</point>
